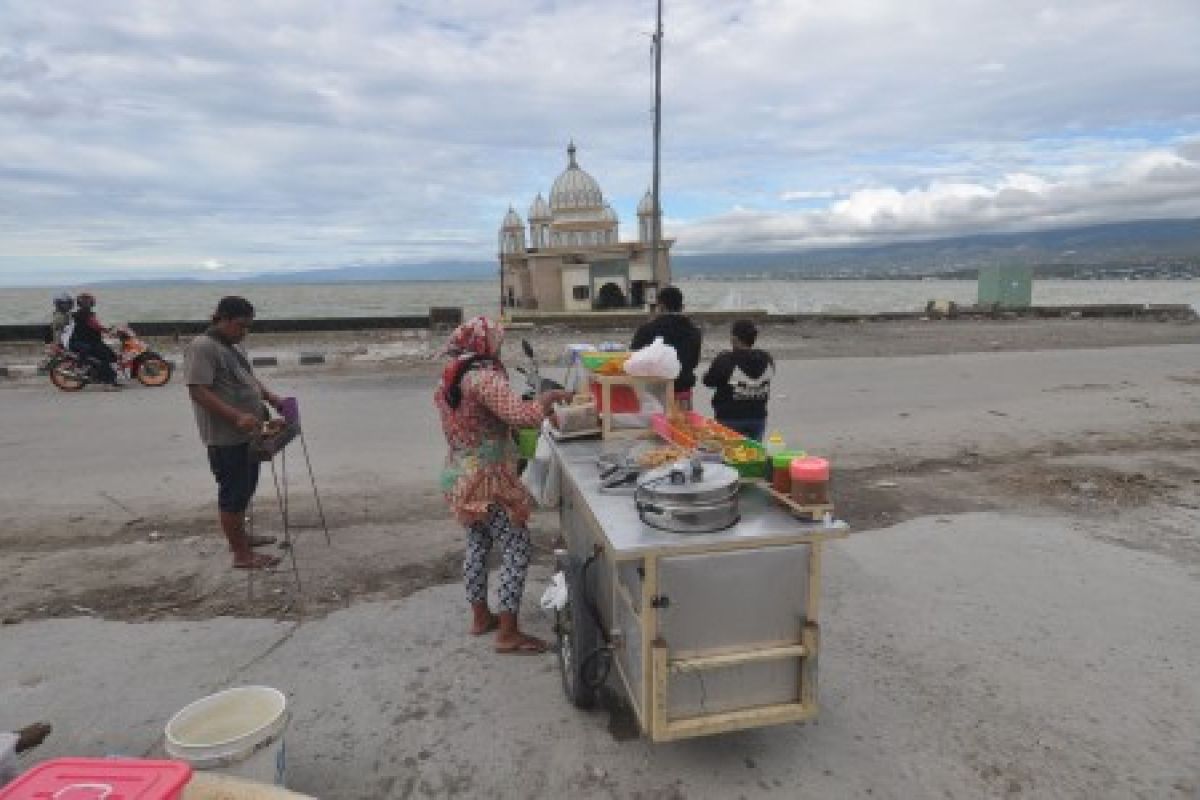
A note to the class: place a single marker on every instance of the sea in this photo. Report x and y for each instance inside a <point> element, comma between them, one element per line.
<point>135,303</point>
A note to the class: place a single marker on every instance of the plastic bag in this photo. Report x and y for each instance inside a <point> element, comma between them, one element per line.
<point>656,360</point>
<point>541,476</point>
<point>8,752</point>
<point>555,596</point>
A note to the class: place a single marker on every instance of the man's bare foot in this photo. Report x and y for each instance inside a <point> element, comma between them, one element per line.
<point>31,736</point>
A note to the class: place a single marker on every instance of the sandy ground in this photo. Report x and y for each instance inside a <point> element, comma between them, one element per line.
<point>1014,617</point>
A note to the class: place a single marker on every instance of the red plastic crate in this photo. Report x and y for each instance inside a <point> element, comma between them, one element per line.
<point>624,399</point>
<point>100,779</point>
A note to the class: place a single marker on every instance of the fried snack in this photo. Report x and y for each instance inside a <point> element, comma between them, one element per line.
<point>741,454</point>
<point>660,456</point>
<point>615,366</point>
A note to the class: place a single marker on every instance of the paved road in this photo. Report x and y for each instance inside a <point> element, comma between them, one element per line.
<point>140,447</point>
<point>973,655</point>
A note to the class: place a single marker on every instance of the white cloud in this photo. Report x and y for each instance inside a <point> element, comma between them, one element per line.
<point>1159,184</point>
<point>805,195</point>
<point>147,136</point>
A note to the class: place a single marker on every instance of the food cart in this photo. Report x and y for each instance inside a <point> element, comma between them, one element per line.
<point>703,631</point>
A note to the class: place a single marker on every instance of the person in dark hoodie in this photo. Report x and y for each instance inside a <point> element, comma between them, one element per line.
<point>742,380</point>
<point>679,332</point>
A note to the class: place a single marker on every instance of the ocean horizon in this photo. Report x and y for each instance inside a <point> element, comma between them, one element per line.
<point>193,301</point>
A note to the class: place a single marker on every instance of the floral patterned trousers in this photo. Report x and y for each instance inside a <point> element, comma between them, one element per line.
<point>514,564</point>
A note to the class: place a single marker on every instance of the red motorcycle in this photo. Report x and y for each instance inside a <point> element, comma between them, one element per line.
<point>72,371</point>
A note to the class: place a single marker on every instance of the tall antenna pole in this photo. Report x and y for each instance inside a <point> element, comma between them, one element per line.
<point>656,220</point>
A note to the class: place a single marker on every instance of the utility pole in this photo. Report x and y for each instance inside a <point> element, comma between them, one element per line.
<point>656,220</point>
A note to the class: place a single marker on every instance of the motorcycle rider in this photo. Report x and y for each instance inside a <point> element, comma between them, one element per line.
<point>60,322</point>
<point>87,339</point>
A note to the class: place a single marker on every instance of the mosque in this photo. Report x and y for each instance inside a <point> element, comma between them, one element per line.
<point>571,258</point>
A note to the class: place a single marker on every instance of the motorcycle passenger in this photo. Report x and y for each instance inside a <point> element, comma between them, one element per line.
<point>87,339</point>
<point>60,321</point>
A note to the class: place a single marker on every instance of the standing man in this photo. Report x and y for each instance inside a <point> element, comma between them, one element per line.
<point>228,402</point>
<point>679,332</point>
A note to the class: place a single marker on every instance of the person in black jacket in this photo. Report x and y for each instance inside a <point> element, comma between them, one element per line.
<point>679,332</point>
<point>742,380</point>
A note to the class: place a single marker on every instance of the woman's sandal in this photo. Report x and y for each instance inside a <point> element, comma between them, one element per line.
<point>261,541</point>
<point>258,561</point>
<point>527,646</point>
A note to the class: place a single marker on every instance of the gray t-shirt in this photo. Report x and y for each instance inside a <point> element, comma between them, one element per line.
<point>207,362</point>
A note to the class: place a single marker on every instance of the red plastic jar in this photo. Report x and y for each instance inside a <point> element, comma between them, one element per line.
<point>810,481</point>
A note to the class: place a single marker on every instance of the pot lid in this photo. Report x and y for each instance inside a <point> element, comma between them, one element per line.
<point>716,482</point>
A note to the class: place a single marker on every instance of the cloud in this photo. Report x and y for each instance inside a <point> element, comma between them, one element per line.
<point>1156,184</point>
<point>143,136</point>
<point>790,196</point>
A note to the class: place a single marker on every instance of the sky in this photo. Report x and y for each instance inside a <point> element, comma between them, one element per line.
<point>215,139</point>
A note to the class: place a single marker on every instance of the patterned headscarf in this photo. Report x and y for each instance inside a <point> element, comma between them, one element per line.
<point>479,338</point>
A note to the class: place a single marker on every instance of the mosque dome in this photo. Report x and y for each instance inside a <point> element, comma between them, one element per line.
<point>540,209</point>
<point>512,219</point>
<point>646,207</point>
<point>575,189</point>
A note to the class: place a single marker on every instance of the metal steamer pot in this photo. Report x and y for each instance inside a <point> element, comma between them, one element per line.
<point>689,497</point>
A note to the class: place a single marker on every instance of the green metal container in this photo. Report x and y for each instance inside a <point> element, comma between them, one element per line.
<point>1006,286</point>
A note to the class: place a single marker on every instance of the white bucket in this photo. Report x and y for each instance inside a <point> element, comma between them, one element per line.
<point>238,732</point>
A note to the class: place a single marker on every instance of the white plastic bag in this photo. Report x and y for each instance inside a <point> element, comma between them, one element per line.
<point>656,360</point>
<point>8,753</point>
<point>541,476</point>
<point>555,596</point>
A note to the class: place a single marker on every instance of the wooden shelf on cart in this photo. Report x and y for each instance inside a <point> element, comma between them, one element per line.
<point>813,512</point>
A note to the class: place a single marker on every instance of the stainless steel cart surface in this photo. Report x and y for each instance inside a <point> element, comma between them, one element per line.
<point>703,632</point>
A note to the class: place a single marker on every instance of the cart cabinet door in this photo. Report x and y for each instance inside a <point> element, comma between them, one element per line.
<point>731,602</point>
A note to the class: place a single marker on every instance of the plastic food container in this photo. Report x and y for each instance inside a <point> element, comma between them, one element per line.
<point>755,467</point>
<point>595,359</point>
<point>98,778</point>
<point>810,481</point>
<point>781,470</point>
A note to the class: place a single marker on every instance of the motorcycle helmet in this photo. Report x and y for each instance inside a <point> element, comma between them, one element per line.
<point>86,299</point>
<point>63,302</point>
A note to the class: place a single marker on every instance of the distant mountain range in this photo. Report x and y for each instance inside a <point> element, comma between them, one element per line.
<point>1114,245</point>
<point>1128,244</point>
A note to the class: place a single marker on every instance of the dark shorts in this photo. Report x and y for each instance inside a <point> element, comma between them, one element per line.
<point>236,474</point>
<point>750,428</point>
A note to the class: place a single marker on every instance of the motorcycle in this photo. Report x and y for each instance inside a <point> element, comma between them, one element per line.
<point>535,384</point>
<point>71,371</point>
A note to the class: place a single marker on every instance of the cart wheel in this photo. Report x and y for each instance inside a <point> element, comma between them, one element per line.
<point>577,636</point>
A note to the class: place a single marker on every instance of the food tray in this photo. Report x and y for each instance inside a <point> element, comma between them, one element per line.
<point>595,359</point>
<point>754,468</point>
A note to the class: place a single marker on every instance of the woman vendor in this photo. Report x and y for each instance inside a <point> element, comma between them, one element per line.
<point>479,412</point>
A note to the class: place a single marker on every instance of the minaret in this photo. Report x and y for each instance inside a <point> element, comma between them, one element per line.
<point>512,233</point>
<point>540,218</point>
